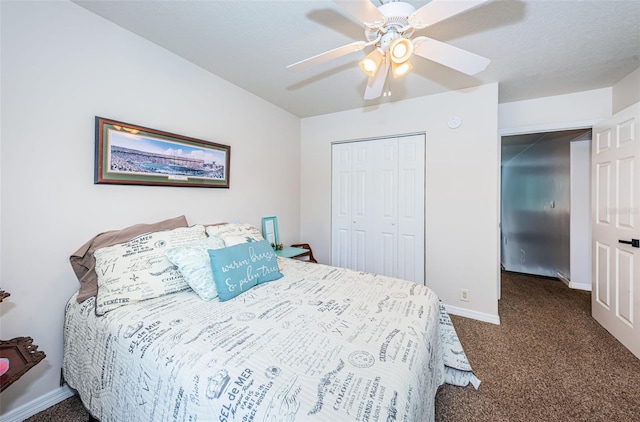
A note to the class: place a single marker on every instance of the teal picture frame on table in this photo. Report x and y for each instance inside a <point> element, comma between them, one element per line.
<point>270,230</point>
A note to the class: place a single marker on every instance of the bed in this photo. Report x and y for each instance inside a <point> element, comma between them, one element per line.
<point>318,344</point>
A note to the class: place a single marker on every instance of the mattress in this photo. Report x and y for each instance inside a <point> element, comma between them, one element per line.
<point>320,344</point>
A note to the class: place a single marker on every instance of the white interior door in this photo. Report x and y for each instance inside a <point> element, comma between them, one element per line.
<point>615,209</point>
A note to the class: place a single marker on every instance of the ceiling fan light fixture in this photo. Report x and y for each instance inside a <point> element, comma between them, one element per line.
<point>371,62</point>
<point>400,69</point>
<point>400,50</point>
<point>389,29</point>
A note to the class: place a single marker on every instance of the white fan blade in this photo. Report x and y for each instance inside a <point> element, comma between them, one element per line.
<point>375,84</point>
<point>448,55</point>
<point>363,10</point>
<point>329,55</point>
<point>439,10</point>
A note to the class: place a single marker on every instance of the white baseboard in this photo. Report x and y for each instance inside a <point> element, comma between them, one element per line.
<point>580,286</point>
<point>564,279</point>
<point>37,405</point>
<point>480,316</point>
<point>573,284</point>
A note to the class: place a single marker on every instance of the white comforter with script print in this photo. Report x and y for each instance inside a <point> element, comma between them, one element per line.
<point>320,344</point>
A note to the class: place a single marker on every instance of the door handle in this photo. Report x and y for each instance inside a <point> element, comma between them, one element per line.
<point>635,243</point>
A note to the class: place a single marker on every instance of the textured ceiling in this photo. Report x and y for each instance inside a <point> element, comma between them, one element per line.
<point>537,48</point>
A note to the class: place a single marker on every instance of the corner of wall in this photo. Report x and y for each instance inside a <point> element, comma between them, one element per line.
<point>626,92</point>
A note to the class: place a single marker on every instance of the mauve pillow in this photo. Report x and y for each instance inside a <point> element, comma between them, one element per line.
<point>84,263</point>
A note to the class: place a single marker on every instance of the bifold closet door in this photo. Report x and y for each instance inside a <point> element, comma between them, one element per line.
<point>411,208</point>
<point>378,206</point>
<point>341,182</point>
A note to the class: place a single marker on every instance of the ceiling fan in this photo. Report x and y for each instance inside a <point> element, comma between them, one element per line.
<point>388,28</point>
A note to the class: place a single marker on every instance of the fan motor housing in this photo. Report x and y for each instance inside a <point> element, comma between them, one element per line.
<point>387,38</point>
<point>396,17</point>
<point>396,9</point>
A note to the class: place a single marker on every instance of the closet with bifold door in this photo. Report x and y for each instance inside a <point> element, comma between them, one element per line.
<point>378,206</point>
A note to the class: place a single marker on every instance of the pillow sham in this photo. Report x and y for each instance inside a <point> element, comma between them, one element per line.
<point>234,229</point>
<point>232,240</point>
<point>238,268</point>
<point>139,270</point>
<point>195,266</point>
<point>83,261</point>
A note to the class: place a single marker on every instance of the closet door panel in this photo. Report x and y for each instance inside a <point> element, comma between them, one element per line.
<point>363,206</point>
<point>408,264</point>
<point>386,207</point>
<point>411,208</point>
<point>341,187</point>
<point>341,255</point>
<point>359,249</point>
<point>387,263</point>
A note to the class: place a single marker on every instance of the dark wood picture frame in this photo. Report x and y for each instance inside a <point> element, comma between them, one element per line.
<point>128,154</point>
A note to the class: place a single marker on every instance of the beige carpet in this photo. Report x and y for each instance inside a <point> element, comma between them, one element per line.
<point>547,361</point>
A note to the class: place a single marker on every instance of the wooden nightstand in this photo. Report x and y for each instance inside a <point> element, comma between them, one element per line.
<point>22,353</point>
<point>299,251</point>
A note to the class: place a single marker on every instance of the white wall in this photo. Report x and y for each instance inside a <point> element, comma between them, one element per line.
<point>61,66</point>
<point>580,243</point>
<point>569,111</point>
<point>627,91</point>
<point>575,110</point>
<point>462,171</point>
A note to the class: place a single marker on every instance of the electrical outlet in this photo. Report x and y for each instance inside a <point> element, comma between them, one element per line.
<point>464,295</point>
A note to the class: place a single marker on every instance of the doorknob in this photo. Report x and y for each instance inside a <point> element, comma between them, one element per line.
<point>633,242</point>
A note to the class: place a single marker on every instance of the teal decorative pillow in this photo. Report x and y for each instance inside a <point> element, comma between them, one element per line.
<point>194,265</point>
<point>238,268</point>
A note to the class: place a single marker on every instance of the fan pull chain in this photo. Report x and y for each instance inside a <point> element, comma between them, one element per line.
<point>387,86</point>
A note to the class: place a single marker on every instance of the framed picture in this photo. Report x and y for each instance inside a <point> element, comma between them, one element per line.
<point>270,230</point>
<point>128,154</point>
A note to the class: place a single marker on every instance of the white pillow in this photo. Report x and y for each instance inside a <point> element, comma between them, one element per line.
<point>195,265</point>
<point>139,270</point>
<point>232,240</point>
<point>234,229</point>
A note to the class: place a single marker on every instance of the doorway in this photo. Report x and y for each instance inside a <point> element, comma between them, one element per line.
<point>545,204</point>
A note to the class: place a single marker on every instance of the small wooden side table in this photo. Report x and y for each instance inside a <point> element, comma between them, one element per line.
<point>22,354</point>
<point>301,251</point>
